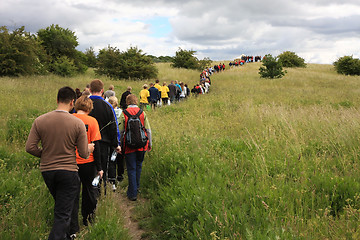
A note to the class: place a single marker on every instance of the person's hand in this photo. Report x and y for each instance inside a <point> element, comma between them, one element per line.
<point>101,173</point>
<point>91,147</point>
<point>118,149</point>
<point>149,148</point>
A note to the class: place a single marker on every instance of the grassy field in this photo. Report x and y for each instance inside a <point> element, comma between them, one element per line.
<point>254,159</point>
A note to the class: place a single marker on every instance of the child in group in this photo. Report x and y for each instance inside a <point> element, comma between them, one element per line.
<point>119,161</point>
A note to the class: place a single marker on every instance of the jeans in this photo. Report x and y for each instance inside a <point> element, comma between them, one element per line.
<point>64,186</point>
<point>134,165</point>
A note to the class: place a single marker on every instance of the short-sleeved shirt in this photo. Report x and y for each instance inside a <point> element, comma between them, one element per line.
<point>93,134</point>
<point>158,86</point>
<point>144,94</point>
<point>164,92</point>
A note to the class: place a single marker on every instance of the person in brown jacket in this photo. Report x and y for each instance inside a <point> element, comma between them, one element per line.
<point>60,133</point>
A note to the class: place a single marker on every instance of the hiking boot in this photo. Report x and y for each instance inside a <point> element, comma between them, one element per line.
<point>113,187</point>
<point>73,236</point>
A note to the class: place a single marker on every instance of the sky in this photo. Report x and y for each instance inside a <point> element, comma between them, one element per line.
<point>320,31</point>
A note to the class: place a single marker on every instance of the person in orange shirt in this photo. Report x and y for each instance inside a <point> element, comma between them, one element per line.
<point>91,167</point>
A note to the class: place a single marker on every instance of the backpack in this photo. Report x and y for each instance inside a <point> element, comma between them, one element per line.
<point>135,136</point>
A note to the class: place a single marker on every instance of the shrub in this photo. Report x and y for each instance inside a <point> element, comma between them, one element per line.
<point>347,65</point>
<point>90,57</point>
<point>20,53</point>
<point>121,65</point>
<point>60,45</point>
<point>290,59</point>
<point>271,68</point>
<point>64,66</point>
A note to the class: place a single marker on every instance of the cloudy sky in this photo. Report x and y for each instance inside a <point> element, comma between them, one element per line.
<point>320,31</point>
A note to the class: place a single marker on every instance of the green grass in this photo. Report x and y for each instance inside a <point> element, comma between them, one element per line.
<point>254,159</point>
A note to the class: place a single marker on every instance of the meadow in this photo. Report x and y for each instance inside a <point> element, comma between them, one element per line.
<point>253,159</point>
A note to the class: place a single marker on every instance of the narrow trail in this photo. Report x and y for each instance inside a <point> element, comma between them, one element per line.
<point>129,222</point>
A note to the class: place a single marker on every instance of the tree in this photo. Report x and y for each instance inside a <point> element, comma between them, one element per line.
<point>59,43</point>
<point>271,68</point>
<point>290,59</point>
<point>185,59</point>
<point>64,66</point>
<point>20,53</point>
<point>347,65</point>
<point>204,63</point>
<point>90,57</point>
<point>129,64</point>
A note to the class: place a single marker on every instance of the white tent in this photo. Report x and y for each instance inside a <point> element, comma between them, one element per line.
<point>239,57</point>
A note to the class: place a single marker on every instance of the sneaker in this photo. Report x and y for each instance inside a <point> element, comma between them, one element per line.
<point>72,236</point>
<point>113,187</point>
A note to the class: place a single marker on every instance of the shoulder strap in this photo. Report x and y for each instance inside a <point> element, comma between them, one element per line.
<point>139,112</point>
<point>127,113</point>
<point>136,115</point>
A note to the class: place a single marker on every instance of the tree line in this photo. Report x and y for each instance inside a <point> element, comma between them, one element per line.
<point>273,66</point>
<point>53,50</point>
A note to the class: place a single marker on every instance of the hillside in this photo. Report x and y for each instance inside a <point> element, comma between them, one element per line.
<point>253,159</point>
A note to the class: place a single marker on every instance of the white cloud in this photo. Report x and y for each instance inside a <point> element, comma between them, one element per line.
<point>318,30</point>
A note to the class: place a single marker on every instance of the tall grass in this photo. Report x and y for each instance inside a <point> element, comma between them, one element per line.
<point>258,158</point>
<point>254,159</point>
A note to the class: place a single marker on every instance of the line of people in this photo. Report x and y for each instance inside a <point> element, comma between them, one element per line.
<point>91,127</point>
<point>154,95</point>
<point>78,148</point>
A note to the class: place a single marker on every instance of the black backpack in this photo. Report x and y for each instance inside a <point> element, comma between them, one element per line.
<point>135,136</point>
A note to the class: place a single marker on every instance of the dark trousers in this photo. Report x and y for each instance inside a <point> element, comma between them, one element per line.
<point>89,193</point>
<point>120,161</point>
<point>118,165</point>
<point>104,156</point>
<point>64,187</point>
<point>165,101</point>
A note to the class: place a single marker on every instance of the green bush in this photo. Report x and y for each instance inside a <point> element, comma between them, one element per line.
<point>290,59</point>
<point>186,59</point>
<point>271,68</point>
<point>347,65</point>
<point>123,65</point>
<point>20,53</point>
<point>64,66</point>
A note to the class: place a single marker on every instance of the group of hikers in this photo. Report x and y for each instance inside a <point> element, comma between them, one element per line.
<point>104,135</point>
<point>91,130</point>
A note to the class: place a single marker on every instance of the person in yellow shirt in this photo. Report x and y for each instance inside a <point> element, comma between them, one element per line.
<point>157,85</point>
<point>144,94</point>
<point>164,94</point>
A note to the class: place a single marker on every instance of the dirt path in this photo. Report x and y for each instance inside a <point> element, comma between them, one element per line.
<point>130,223</point>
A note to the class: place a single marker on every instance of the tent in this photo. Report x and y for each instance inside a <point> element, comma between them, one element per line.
<point>241,57</point>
